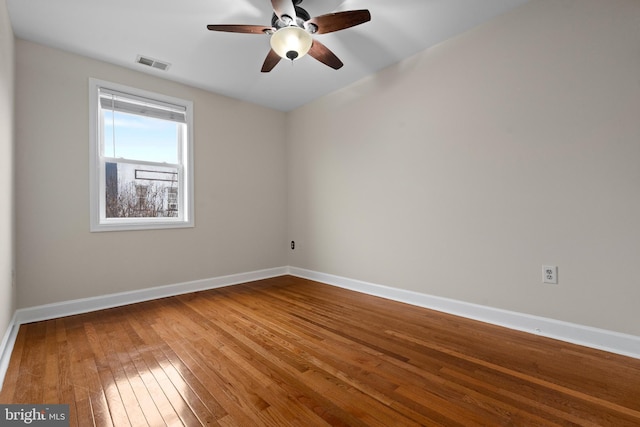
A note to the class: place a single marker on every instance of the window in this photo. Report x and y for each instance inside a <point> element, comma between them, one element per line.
<point>141,159</point>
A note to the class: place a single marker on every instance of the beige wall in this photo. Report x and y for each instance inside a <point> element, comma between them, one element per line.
<point>462,170</point>
<point>457,172</point>
<point>240,197</point>
<point>7,290</point>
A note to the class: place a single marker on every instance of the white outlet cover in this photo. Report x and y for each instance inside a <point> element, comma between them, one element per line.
<point>550,274</point>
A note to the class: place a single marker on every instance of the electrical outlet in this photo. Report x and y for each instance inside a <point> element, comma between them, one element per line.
<point>293,245</point>
<point>550,274</point>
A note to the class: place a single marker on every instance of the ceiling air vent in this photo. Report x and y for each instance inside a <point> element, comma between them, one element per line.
<point>154,63</point>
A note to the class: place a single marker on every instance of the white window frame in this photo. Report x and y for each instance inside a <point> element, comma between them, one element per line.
<point>99,221</point>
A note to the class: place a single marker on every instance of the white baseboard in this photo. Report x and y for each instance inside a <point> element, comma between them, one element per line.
<point>614,342</point>
<point>601,339</point>
<point>6,347</point>
<point>85,305</point>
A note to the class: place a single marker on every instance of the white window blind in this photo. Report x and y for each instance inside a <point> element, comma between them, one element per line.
<point>127,103</point>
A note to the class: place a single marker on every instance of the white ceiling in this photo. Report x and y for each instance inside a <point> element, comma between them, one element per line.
<point>117,31</point>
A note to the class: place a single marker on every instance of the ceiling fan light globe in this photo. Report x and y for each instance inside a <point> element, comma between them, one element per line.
<point>291,42</point>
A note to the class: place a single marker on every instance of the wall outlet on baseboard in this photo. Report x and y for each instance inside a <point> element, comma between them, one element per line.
<point>550,274</point>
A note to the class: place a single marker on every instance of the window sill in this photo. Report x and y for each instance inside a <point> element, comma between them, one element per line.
<point>140,225</point>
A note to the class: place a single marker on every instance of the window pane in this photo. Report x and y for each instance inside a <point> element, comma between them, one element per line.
<point>140,191</point>
<point>142,163</point>
<point>135,137</point>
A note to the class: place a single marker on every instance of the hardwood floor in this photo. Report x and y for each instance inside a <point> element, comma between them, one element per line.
<point>288,351</point>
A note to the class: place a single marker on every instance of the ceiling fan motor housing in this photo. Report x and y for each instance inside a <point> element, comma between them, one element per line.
<point>302,16</point>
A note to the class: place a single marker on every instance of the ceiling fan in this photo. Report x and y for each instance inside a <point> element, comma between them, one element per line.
<point>291,32</point>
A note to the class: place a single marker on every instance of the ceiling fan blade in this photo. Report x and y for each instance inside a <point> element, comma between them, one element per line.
<point>248,29</point>
<point>340,20</point>
<point>284,7</point>
<point>270,61</point>
<point>324,55</point>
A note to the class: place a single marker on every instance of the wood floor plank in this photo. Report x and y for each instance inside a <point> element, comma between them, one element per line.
<point>205,353</point>
<point>288,351</point>
<point>159,387</point>
<point>138,402</point>
<point>266,369</point>
<point>253,336</point>
<point>305,395</point>
<point>66,389</point>
<point>233,407</point>
<point>119,363</point>
<point>51,365</point>
<point>106,377</point>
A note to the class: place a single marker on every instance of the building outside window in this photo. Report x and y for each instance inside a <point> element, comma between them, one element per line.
<point>172,200</point>
<point>141,159</point>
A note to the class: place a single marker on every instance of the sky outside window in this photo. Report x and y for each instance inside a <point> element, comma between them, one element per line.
<point>140,137</point>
